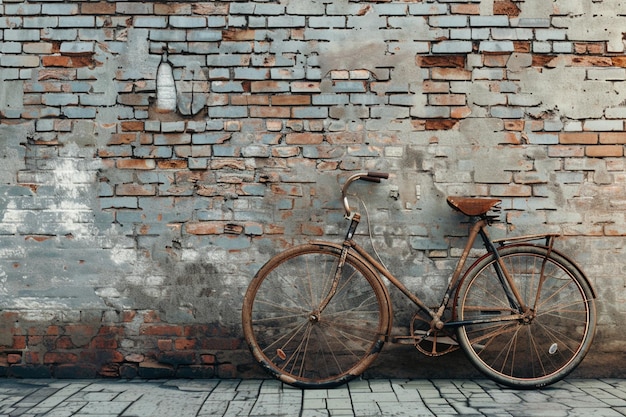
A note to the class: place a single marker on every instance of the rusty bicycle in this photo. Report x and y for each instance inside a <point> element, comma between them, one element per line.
<point>318,314</point>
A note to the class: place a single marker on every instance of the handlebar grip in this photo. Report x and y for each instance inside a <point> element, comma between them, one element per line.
<point>370,179</point>
<point>383,175</point>
<point>374,176</point>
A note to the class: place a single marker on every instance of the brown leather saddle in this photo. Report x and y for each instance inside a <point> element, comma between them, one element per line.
<point>473,206</point>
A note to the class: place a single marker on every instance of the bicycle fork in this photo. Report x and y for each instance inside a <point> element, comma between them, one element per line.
<point>354,222</point>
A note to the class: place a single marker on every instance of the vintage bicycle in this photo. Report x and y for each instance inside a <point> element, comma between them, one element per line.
<point>318,314</point>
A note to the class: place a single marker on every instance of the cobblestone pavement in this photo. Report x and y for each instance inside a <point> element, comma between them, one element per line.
<point>381,397</point>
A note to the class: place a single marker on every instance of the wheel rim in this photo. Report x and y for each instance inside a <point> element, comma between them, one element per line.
<point>551,338</point>
<point>298,343</point>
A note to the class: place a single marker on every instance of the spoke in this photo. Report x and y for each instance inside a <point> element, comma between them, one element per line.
<point>499,330</point>
<point>289,335</point>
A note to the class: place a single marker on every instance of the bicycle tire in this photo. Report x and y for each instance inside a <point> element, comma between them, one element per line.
<point>534,353</point>
<point>296,343</point>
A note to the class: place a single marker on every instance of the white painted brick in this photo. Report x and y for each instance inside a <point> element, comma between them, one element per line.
<point>563,47</point>
<point>512,34</point>
<point>452,47</point>
<point>603,125</point>
<point>497,46</point>
<point>448,21</point>
<point>427,8</point>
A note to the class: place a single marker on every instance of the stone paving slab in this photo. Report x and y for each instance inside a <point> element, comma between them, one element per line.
<point>260,398</point>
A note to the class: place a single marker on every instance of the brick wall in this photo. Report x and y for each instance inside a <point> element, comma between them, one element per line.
<point>155,154</point>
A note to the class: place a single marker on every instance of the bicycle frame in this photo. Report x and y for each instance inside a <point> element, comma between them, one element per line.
<point>479,228</point>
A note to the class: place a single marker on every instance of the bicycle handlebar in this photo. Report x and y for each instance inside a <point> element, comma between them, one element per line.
<point>369,176</point>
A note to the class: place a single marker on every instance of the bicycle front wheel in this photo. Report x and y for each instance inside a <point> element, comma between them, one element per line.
<point>296,340</point>
<point>546,345</point>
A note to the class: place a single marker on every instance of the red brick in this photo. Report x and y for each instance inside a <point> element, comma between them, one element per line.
<point>512,138</point>
<point>122,138</point>
<point>132,126</point>
<point>236,34</point>
<point>601,151</point>
<point>101,7</point>
<point>172,164</point>
<point>31,357</point>
<point>103,342</point>
<point>207,359</point>
<point>165,344</point>
<point>19,342</point>
<point>56,74</point>
<point>584,138</point>
<point>78,61</point>
<point>142,164</point>
<point>521,46</point>
<point>291,100</point>
<point>210,8</point>
<point>495,60</point>
<point>312,230</point>
<point>14,358</point>
<point>135,189</point>
<point>506,7</point>
<point>266,86</point>
<point>247,100</point>
<point>591,61</point>
<point>451,74</point>
<point>345,138</point>
<point>57,357</point>
<point>445,61</point>
<point>436,87</point>
<point>205,228</point>
<point>128,316</point>
<point>304,138</point>
<point>53,331</point>
<point>460,112</point>
<point>285,189</point>
<point>613,138</point>
<point>619,61</point>
<point>184,344</point>
<point>466,9</point>
<point>305,87</point>
<point>270,111</point>
<point>110,330</point>
<point>441,124</point>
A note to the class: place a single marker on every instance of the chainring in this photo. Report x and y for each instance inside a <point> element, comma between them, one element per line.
<point>430,341</point>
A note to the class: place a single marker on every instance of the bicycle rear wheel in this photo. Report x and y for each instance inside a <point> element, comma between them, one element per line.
<point>541,349</point>
<point>295,341</point>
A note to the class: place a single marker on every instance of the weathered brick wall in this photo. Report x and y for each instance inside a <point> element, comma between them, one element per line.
<point>155,154</point>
